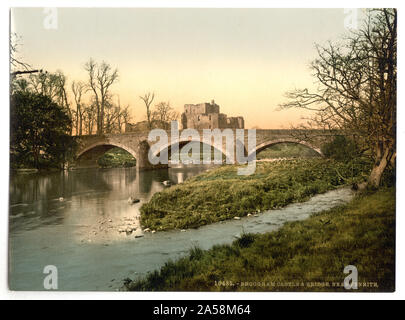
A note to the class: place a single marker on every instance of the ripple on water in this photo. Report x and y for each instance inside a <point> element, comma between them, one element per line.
<point>86,261</point>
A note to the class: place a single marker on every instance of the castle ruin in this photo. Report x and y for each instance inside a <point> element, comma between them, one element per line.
<point>207,116</point>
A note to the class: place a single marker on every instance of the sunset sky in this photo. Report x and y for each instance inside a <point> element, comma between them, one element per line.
<point>244,59</point>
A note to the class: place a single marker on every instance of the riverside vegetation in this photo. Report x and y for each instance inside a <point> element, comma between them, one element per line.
<point>221,194</point>
<point>316,250</point>
<point>116,158</point>
<point>287,150</point>
<point>361,233</point>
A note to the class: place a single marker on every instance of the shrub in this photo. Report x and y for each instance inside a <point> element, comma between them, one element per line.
<point>340,149</point>
<point>245,240</point>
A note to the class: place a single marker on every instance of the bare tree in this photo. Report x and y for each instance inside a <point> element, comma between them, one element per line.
<point>78,89</point>
<point>147,98</point>
<point>17,66</point>
<point>115,116</point>
<point>163,114</point>
<point>60,81</point>
<point>125,117</point>
<point>356,92</point>
<point>111,117</point>
<point>47,84</point>
<point>89,117</point>
<point>101,77</point>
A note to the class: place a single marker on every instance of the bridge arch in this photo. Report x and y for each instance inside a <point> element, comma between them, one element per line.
<point>87,156</point>
<point>269,143</point>
<point>138,145</point>
<point>81,152</point>
<point>182,142</point>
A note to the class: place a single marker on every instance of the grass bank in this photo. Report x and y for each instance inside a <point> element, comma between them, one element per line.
<point>116,158</point>
<point>308,255</point>
<point>222,194</point>
<point>287,150</point>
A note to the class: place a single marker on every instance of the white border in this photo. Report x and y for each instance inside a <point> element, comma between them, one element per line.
<point>4,127</point>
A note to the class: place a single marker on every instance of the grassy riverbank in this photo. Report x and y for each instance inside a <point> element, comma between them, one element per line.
<point>117,158</point>
<point>312,251</point>
<point>287,150</point>
<point>222,194</point>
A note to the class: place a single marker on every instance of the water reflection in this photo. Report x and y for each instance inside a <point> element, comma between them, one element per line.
<point>72,220</point>
<point>83,197</point>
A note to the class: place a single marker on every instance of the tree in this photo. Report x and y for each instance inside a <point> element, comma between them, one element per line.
<point>356,92</point>
<point>89,117</point>
<point>52,85</point>
<point>163,114</point>
<point>101,78</point>
<point>46,84</point>
<point>147,98</point>
<point>115,116</point>
<point>17,66</point>
<point>112,113</point>
<point>39,131</point>
<point>340,149</point>
<point>124,118</point>
<point>78,89</point>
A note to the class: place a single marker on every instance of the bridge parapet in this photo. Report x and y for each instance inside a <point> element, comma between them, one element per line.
<point>136,143</point>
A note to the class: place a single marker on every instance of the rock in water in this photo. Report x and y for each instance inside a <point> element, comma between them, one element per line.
<point>132,200</point>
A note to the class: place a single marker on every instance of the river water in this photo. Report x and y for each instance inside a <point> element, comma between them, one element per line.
<point>74,220</point>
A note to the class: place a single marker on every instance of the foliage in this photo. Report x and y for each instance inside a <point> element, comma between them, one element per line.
<point>221,194</point>
<point>39,131</point>
<point>287,150</point>
<point>116,158</point>
<point>357,88</point>
<point>340,149</point>
<point>317,249</point>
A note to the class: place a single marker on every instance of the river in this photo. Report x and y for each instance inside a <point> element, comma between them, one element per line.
<point>74,220</point>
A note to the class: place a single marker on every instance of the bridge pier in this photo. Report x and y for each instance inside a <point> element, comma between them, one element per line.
<point>136,143</point>
<point>89,159</point>
<point>142,160</point>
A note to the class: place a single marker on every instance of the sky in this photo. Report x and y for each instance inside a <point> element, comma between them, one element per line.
<point>244,59</point>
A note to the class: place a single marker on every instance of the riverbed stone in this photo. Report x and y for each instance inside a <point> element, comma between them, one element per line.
<point>132,200</point>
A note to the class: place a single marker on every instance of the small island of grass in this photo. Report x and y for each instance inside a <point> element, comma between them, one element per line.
<point>222,194</point>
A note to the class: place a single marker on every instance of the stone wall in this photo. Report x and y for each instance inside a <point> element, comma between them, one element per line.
<point>136,143</point>
<point>144,126</point>
<point>207,116</point>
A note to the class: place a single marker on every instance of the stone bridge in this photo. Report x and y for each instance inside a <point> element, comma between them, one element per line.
<point>91,147</point>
